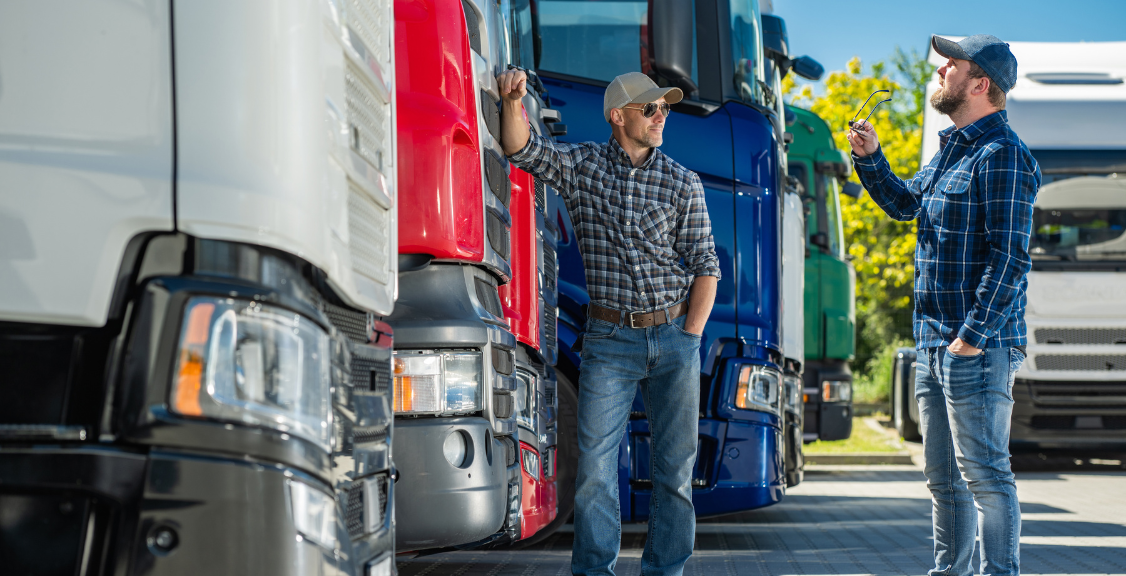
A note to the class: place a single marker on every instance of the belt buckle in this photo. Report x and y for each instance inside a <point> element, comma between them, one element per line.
<point>631,322</point>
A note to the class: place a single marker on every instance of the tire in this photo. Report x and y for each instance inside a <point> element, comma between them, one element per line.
<point>902,395</point>
<point>566,458</point>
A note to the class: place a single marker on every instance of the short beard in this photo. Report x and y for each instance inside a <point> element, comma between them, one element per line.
<point>948,100</point>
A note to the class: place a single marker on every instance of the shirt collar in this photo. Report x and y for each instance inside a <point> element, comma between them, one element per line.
<point>975,130</point>
<point>616,151</point>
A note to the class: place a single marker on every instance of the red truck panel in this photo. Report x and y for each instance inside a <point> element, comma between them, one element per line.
<point>441,211</point>
<point>537,499</point>
<point>520,298</point>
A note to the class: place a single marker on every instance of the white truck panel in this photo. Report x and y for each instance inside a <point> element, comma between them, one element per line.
<point>793,278</point>
<point>1077,301</point>
<point>286,134</point>
<point>85,150</point>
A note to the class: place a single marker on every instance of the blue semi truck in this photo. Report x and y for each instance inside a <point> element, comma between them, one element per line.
<point>730,130</point>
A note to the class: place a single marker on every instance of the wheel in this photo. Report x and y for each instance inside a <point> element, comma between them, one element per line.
<point>566,458</point>
<point>903,395</point>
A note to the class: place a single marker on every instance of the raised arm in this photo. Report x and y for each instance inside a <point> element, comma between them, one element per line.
<point>513,85</point>
<point>553,162</point>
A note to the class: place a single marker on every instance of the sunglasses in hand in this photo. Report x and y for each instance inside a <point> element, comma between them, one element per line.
<point>852,124</point>
<point>648,110</point>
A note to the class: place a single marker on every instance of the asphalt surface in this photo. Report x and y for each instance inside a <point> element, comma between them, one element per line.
<point>859,520</point>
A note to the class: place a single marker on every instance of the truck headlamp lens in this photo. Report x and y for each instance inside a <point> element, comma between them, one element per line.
<point>251,363</point>
<point>525,397</point>
<point>836,391</point>
<point>793,393</point>
<point>531,462</point>
<point>314,514</point>
<point>437,382</point>
<point>758,389</point>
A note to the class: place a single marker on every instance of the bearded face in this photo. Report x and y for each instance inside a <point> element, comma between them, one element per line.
<point>950,97</point>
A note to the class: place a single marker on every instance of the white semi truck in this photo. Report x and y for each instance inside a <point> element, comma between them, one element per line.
<point>197,241</point>
<point>1069,108</point>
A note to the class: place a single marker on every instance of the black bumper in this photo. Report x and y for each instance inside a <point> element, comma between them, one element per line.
<point>1071,415</point>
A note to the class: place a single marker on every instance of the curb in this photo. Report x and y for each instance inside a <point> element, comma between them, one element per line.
<point>860,458</point>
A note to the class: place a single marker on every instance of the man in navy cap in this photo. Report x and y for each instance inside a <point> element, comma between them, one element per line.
<point>974,203</point>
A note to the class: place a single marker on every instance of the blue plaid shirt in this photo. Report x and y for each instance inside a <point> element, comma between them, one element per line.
<point>974,205</point>
<point>643,231</point>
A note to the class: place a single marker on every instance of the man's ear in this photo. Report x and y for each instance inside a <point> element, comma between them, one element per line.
<point>981,85</point>
<point>616,117</point>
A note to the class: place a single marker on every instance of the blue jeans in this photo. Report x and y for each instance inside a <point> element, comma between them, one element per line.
<point>965,411</point>
<point>665,361</point>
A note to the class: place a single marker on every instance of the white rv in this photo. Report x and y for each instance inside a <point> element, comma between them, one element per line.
<point>1069,108</point>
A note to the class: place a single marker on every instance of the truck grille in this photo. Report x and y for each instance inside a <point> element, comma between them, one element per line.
<point>549,463</point>
<point>550,270</point>
<point>492,114</point>
<point>370,373</point>
<point>351,323</point>
<point>498,235</point>
<point>1085,336</point>
<point>550,330</point>
<point>1077,395</point>
<point>370,19</point>
<point>1086,362</point>
<point>541,196</point>
<point>498,178</point>
<point>354,509</point>
<point>367,119</point>
<point>369,227</point>
<point>369,435</point>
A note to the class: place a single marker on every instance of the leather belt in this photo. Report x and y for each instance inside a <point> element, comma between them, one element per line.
<point>637,319</point>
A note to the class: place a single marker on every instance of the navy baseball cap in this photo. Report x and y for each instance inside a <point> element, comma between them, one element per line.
<point>986,51</point>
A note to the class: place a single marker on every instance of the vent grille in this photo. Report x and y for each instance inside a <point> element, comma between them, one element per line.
<point>488,297</point>
<point>1088,362</point>
<point>351,323</point>
<point>503,405</point>
<point>492,114</point>
<point>498,178</point>
<point>367,119</point>
<point>368,19</point>
<point>1087,336</point>
<point>550,270</point>
<point>541,196</point>
<point>369,227</point>
<point>498,235</point>
<point>550,328</point>
<point>369,435</point>
<point>502,361</point>
<point>369,373</point>
<point>473,25</point>
<point>549,463</point>
<point>354,510</point>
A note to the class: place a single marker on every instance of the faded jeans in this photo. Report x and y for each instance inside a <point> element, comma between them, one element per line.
<point>665,361</point>
<point>965,411</point>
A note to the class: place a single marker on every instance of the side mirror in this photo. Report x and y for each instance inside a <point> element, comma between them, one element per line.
<point>670,42</point>
<point>852,189</point>
<point>808,68</point>
<point>820,239</point>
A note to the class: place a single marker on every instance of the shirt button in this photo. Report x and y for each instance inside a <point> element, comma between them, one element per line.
<point>643,294</point>
<point>637,267</point>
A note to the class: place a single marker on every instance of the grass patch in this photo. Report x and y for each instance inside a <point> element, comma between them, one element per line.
<point>863,439</point>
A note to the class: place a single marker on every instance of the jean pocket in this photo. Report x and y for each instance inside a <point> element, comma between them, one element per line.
<point>596,329</point>
<point>954,356</point>
<point>681,329</point>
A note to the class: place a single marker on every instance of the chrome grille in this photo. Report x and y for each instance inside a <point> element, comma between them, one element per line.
<point>370,373</point>
<point>541,196</point>
<point>369,226</point>
<point>1087,336</point>
<point>354,510</point>
<point>550,329</point>
<point>1086,362</point>
<point>351,323</point>
<point>370,19</point>
<point>367,121</point>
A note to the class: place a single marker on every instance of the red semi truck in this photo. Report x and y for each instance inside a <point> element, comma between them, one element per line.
<point>474,323</point>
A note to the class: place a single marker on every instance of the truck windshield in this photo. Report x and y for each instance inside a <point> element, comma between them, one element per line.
<point>596,39</point>
<point>518,20</point>
<point>1079,234</point>
<point>746,50</point>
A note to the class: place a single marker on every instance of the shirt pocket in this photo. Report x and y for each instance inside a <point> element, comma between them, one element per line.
<point>656,222</point>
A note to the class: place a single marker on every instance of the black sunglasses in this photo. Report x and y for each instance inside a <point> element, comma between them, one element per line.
<point>651,108</point>
<point>852,123</point>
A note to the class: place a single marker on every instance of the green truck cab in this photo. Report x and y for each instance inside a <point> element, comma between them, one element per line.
<point>822,171</point>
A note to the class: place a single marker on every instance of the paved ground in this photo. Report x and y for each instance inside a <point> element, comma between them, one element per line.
<point>854,520</point>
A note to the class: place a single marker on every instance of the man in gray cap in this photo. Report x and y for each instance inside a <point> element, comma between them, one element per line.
<point>974,208</point>
<point>651,271</point>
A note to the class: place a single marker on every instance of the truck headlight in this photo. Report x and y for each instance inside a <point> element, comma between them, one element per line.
<point>836,391</point>
<point>793,392</point>
<point>758,389</point>
<point>531,461</point>
<point>437,382</point>
<point>525,397</point>
<point>314,514</point>
<point>252,363</point>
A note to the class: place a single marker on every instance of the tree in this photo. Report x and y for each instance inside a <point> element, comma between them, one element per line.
<point>882,249</point>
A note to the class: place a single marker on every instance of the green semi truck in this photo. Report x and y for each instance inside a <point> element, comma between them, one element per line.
<point>822,172</point>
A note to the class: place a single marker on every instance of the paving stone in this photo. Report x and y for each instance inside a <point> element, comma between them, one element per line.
<point>851,520</point>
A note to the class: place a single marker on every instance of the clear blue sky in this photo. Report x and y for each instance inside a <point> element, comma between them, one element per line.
<point>833,31</point>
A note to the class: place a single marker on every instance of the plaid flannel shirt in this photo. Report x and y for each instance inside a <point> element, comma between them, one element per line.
<point>974,205</point>
<point>644,231</point>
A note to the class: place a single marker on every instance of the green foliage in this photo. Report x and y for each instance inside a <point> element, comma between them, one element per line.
<point>872,383</point>
<point>882,250</point>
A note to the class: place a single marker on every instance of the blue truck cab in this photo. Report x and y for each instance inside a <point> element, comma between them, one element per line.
<point>727,130</point>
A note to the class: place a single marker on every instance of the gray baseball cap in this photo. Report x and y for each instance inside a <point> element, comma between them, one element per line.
<point>986,51</point>
<point>636,88</point>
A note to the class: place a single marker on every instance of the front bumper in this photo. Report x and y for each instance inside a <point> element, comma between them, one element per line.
<point>825,420</point>
<point>220,514</point>
<point>1068,415</point>
<point>438,504</point>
